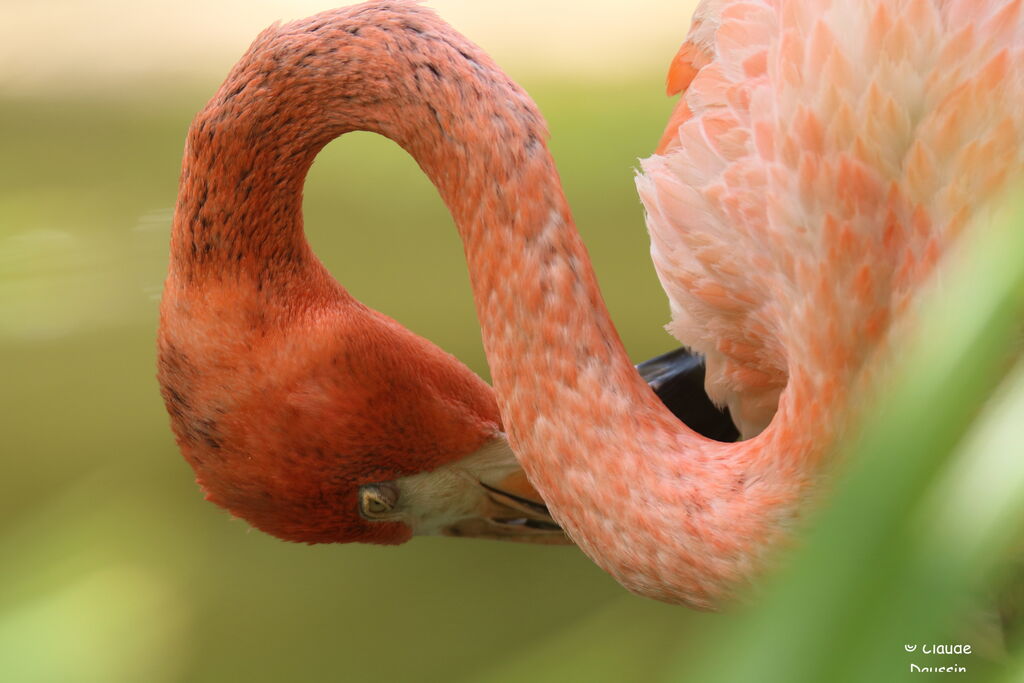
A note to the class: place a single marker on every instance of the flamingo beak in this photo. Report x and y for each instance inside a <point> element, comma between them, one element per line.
<point>482,495</point>
<point>511,511</point>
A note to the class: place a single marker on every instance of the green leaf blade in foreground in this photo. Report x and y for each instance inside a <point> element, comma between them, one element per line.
<point>873,572</point>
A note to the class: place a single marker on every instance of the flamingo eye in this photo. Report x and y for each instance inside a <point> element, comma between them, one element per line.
<point>377,500</point>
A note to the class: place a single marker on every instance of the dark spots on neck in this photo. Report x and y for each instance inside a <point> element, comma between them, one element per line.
<point>235,91</point>
<point>305,59</point>
<point>546,289</point>
<point>177,403</point>
<point>433,67</point>
<point>549,255</point>
<point>437,118</point>
<point>204,430</point>
<point>571,261</point>
<point>176,373</point>
<point>178,377</point>
<point>532,144</point>
<point>204,192</point>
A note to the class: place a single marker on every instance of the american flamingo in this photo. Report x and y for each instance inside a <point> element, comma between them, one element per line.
<point>823,159</point>
<point>306,413</point>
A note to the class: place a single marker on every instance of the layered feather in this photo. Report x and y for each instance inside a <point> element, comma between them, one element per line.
<point>823,158</point>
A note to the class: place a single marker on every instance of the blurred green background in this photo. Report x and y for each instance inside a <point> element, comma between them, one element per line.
<point>114,569</point>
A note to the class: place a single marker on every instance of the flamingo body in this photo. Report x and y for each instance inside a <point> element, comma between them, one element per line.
<point>824,160</point>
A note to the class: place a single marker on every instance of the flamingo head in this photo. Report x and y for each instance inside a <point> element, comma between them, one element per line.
<point>353,430</point>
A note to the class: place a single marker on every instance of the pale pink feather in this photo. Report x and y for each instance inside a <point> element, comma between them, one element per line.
<point>826,155</point>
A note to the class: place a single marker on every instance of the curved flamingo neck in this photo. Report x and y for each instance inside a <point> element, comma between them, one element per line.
<point>240,199</point>
<point>668,513</point>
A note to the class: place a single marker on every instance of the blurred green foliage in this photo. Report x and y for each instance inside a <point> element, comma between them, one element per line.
<point>116,570</point>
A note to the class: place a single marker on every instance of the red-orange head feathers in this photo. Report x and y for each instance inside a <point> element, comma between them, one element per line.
<point>339,426</point>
